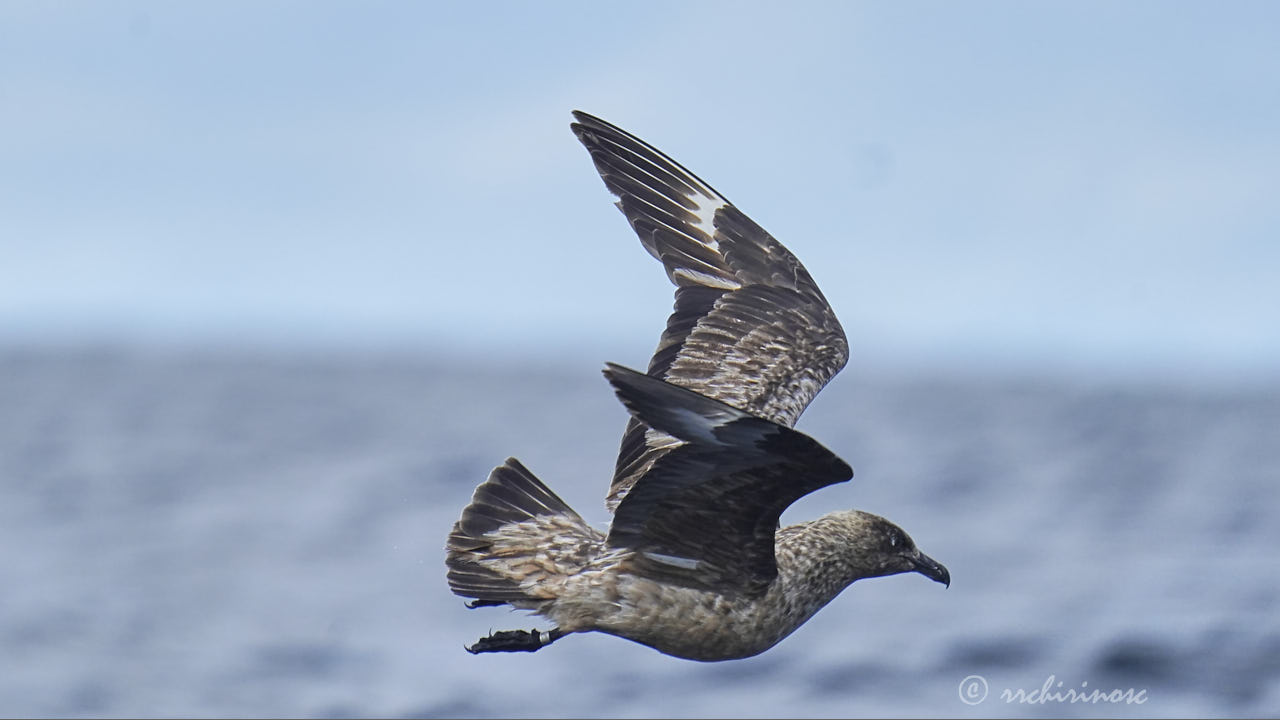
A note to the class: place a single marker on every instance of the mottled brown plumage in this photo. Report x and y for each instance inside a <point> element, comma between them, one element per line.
<point>694,563</point>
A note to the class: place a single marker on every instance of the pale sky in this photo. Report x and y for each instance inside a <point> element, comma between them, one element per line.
<point>1080,186</point>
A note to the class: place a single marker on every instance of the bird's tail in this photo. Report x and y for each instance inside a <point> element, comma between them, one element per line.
<point>517,541</point>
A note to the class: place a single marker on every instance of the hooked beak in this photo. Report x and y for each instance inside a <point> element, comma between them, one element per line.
<point>931,569</point>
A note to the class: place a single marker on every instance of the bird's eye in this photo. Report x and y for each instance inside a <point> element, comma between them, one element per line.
<point>894,540</point>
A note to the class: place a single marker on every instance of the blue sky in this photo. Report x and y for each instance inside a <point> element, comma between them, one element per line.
<point>1069,186</point>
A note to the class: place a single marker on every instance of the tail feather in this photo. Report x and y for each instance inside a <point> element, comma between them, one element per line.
<point>513,519</point>
<point>482,584</point>
<point>512,494</point>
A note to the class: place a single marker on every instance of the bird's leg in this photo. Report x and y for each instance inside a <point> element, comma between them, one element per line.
<point>516,641</point>
<point>483,603</point>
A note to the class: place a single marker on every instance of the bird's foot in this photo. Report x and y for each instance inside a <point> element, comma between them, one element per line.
<point>516,641</point>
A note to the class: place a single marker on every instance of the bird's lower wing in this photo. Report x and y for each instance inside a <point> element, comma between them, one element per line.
<point>705,513</point>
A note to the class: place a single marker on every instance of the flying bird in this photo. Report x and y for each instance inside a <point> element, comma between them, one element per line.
<point>694,563</point>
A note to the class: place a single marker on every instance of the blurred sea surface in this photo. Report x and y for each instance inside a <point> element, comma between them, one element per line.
<point>255,534</point>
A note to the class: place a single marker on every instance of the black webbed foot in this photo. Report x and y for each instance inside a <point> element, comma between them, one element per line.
<point>472,605</point>
<point>516,641</point>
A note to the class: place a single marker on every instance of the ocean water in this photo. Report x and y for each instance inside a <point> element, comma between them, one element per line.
<point>240,534</point>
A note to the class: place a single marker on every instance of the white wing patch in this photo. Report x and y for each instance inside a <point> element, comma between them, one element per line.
<point>673,560</point>
<point>706,279</point>
<point>708,206</point>
<point>699,426</point>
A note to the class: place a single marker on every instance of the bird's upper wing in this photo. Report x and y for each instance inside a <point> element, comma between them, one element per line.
<point>705,514</point>
<point>750,327</point>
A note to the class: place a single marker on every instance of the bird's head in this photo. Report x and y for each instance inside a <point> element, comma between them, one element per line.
<point>877,547</point>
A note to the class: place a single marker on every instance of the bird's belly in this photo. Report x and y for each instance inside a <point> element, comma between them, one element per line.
<point>696,624</point>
